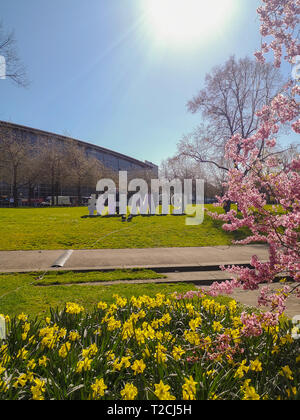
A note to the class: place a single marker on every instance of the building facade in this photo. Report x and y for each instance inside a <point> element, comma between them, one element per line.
<point>110,159</point>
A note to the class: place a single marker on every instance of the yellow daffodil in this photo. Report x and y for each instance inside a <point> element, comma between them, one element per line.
<point>74,336</point>
<point>84,365</point>
<point>286,373</point>
<point>189,389</point>
<point>195,323</point>
<point>31,364</point>
<point>22,354</point>
<point>22,317</point>
<point>138,366</point>
<point>98,388</point>
<point>177,352</point>
<point>102,305</point>
<point>64,350</point>
<point>91,351</point>
<point>250,394</point>
<point>217,326</point>
<point>43,361</point>
<point>21,380</point>
<point>242,369</point>
<point>256,365</point>
<point>38,389</point>
<point>73,308</point>
<point>162,392</point>
<point>129,392</point>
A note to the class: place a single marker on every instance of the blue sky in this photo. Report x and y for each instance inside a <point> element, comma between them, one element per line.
<point>98,74</point>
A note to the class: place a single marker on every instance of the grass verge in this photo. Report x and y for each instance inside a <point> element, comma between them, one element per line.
<point>19,293</point>
<point>71,277</point>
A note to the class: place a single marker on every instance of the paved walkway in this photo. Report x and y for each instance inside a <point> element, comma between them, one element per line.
<point>250,297</point>
<point>204,258</point>
<point>193,265</point>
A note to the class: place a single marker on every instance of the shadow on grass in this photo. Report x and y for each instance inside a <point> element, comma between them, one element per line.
<point>236,235</point>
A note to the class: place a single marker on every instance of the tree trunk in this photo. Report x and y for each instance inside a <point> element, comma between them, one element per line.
<point>52,187</point>
<point>79,194</point>
<point>56,192</point>
<point>15,189</point>
<point>30,194</point>
<point>227,206</point>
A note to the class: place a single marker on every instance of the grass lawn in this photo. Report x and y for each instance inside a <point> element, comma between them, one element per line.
<point>20,293</point>
<point>63,228</point>
<point>70,277</point>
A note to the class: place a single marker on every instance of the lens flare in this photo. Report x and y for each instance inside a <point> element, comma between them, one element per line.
<point>183,21</point>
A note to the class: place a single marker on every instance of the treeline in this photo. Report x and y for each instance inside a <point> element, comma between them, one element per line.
<point>25,164</point>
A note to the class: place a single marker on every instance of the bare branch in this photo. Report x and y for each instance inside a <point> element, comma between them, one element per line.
<point>15,70</point>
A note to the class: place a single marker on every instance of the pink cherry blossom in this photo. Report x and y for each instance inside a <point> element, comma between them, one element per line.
<point>279,21</point>
<point>255,181</point>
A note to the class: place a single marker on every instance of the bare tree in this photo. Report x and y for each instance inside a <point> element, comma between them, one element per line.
<point>33,167</point>
<point>14,152</point>
<point>183,167</point>
<point>232,95</point>
<point>15,70</point>
<point>287,156</point>
<point>83,170</point>
<point>53,164</point>
<point>229,102</point>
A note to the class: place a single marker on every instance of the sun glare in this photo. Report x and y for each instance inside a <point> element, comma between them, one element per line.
<point>183,21</point>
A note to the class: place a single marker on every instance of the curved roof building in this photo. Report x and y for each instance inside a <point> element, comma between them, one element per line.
<point>109,158</point>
